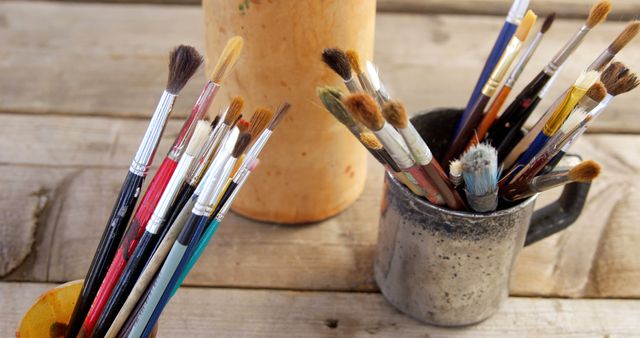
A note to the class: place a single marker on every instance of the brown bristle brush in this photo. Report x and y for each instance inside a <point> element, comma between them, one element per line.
<point>616,46</point>
<point>259,121</point>
<point>337,60</point>
<point>365,82</point>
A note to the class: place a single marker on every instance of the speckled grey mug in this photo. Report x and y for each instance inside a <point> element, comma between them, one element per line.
<point>452,268</point>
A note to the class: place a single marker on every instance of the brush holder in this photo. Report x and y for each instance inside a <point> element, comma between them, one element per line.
<point>452,268</point>
<point>47,317</point>
<point>312,167</point>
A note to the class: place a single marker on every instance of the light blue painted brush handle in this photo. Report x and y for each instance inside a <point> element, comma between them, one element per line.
<point>157,288</point>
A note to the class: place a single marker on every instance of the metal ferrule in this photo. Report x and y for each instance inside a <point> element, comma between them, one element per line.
<point>418,148</point>
<point>217,137</point>
<point>149,144</point>
<point>524,60</point>
<point>393,143</point>
<point>352,85</point>
<point>199,109</point>
<point>219,159</point>
<point>222,181</point>
<point>502,67</point>
<point>587,103</point>
<point>595,112</point>
<point>562,112</point>
<point>240,178</point>
<point>517,10</point>
<point>566,51</point>
<point>602,60</point>
<point>257,146</point>
<point>550,180</point>
<point>169,193</point>
<point>367,86</point>
<point>208,197</point>
<point>456,180</point>
<point>486,203</point>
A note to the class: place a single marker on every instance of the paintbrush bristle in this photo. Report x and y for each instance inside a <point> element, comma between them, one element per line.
<point>215,121</point>
<point>354,61</point>
<point>234,110</point>
<point>331,98</point>
<point>597,91</point>
<point>394,112</point>
<point>548,21</point>
<point>370,141</point>
<point>228,59</point>
<point>243,125</point>
<point>259,121</point>
<point>183,63</point>
<point>598,13</point>
<point>200,135</point>
<point>587,79</point>
<point>279,115</point>
<point>525,25</point>
<point>241,145</point>
<point>625,37</point>
<point>365,109</point>
<point>337,61</point>
<point>586,171</point>
<point>618,79</point>
<point>480,169</point>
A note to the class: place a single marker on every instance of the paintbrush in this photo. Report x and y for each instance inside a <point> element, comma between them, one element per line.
<point>586,171</point>
<point>365,82</point>
<point>618,79</point>
<point>480,174</point>
<point>184,245</point>
<point>183,63</point>
<point>614,48</point>
<point>395,113</point>
<point>337,60</point>
<point>474,116</point>
<point>382,95</point>
<point>173,228</point>
<point>148,240</point>
<point>150,200</point>
<point>559,115</point>
<point>505,133</point>
<point>455,173</point>
<point>501,97</point>
<point>364,108</point>
<point>518,8</point>
<point>331,98</point>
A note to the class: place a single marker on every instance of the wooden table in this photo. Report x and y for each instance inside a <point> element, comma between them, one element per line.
<point>79,82</point>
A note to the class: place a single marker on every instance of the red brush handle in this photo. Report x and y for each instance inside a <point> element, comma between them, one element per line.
<point>134,232</point>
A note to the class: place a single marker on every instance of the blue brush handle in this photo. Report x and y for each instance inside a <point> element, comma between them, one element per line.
<point>168,290</point>
<point>535,147</point>
<point>506,33</point>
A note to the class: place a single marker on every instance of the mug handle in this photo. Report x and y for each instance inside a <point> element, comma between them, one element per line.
<point>560,214</point>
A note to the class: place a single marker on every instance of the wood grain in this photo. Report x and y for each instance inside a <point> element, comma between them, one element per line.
<point>100,68</point>
<point>264,313</point>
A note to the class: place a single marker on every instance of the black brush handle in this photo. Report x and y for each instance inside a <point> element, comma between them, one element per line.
<point>518,111</point>
<point>466,132</point>
<point>106,250</point>
<point>513,136</point>
<point>127,281</point>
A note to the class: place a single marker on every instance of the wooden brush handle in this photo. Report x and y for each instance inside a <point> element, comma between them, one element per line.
<point>466,132</point>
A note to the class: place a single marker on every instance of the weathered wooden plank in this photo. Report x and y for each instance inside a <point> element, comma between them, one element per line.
<point>197,312</point>
<point>88,71</point>
<point>336,254</point>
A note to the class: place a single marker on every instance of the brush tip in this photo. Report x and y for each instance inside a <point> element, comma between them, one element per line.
<point>234,110</point>
<point>354,61</point>
<point>480,169</point>
<point>183,63</point>
<point>200,135</point>
<point>395,113</point>
<point>337,61</point>
<point>548,22</point>
<point>597,91</point>
<point>598,13</point>
<point>618,79</point>
<point>455,168</point>
<point>625,36</point>
<point>525,25</point>
<point>241,145</point>
<point>259,121</point>
<point>365,109</point>
<point>279,115</point>
<point>331,98</point>
<point>370,141</point>
<point>586,171</point>
<point>228,59</point>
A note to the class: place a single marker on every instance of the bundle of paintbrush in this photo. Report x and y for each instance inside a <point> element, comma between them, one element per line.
<point>491,159</point>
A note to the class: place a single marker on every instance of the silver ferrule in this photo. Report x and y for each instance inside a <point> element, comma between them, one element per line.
<point>587,103</point>
<point>394,145</point>
<point>418,148</point>
<point>367,86</point>
<point>595,112</point>
<point>550,180</point>
<point>208,196</point>
<point>602,60</point>
<point>222,181</point>
<point>199,109</point>
<point>352,85</point>
<point>149,144</point>
<point>257,146</point>
<point>517,10</point>
<point>169,193</point>
<point>240,178</point>
<point>524,60</point>
<point>486,203</point>
<point>502,67</point>
<point>566,51</point>
<point>456,180</point>
<point>217,137</point>
<point>220,158</point>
